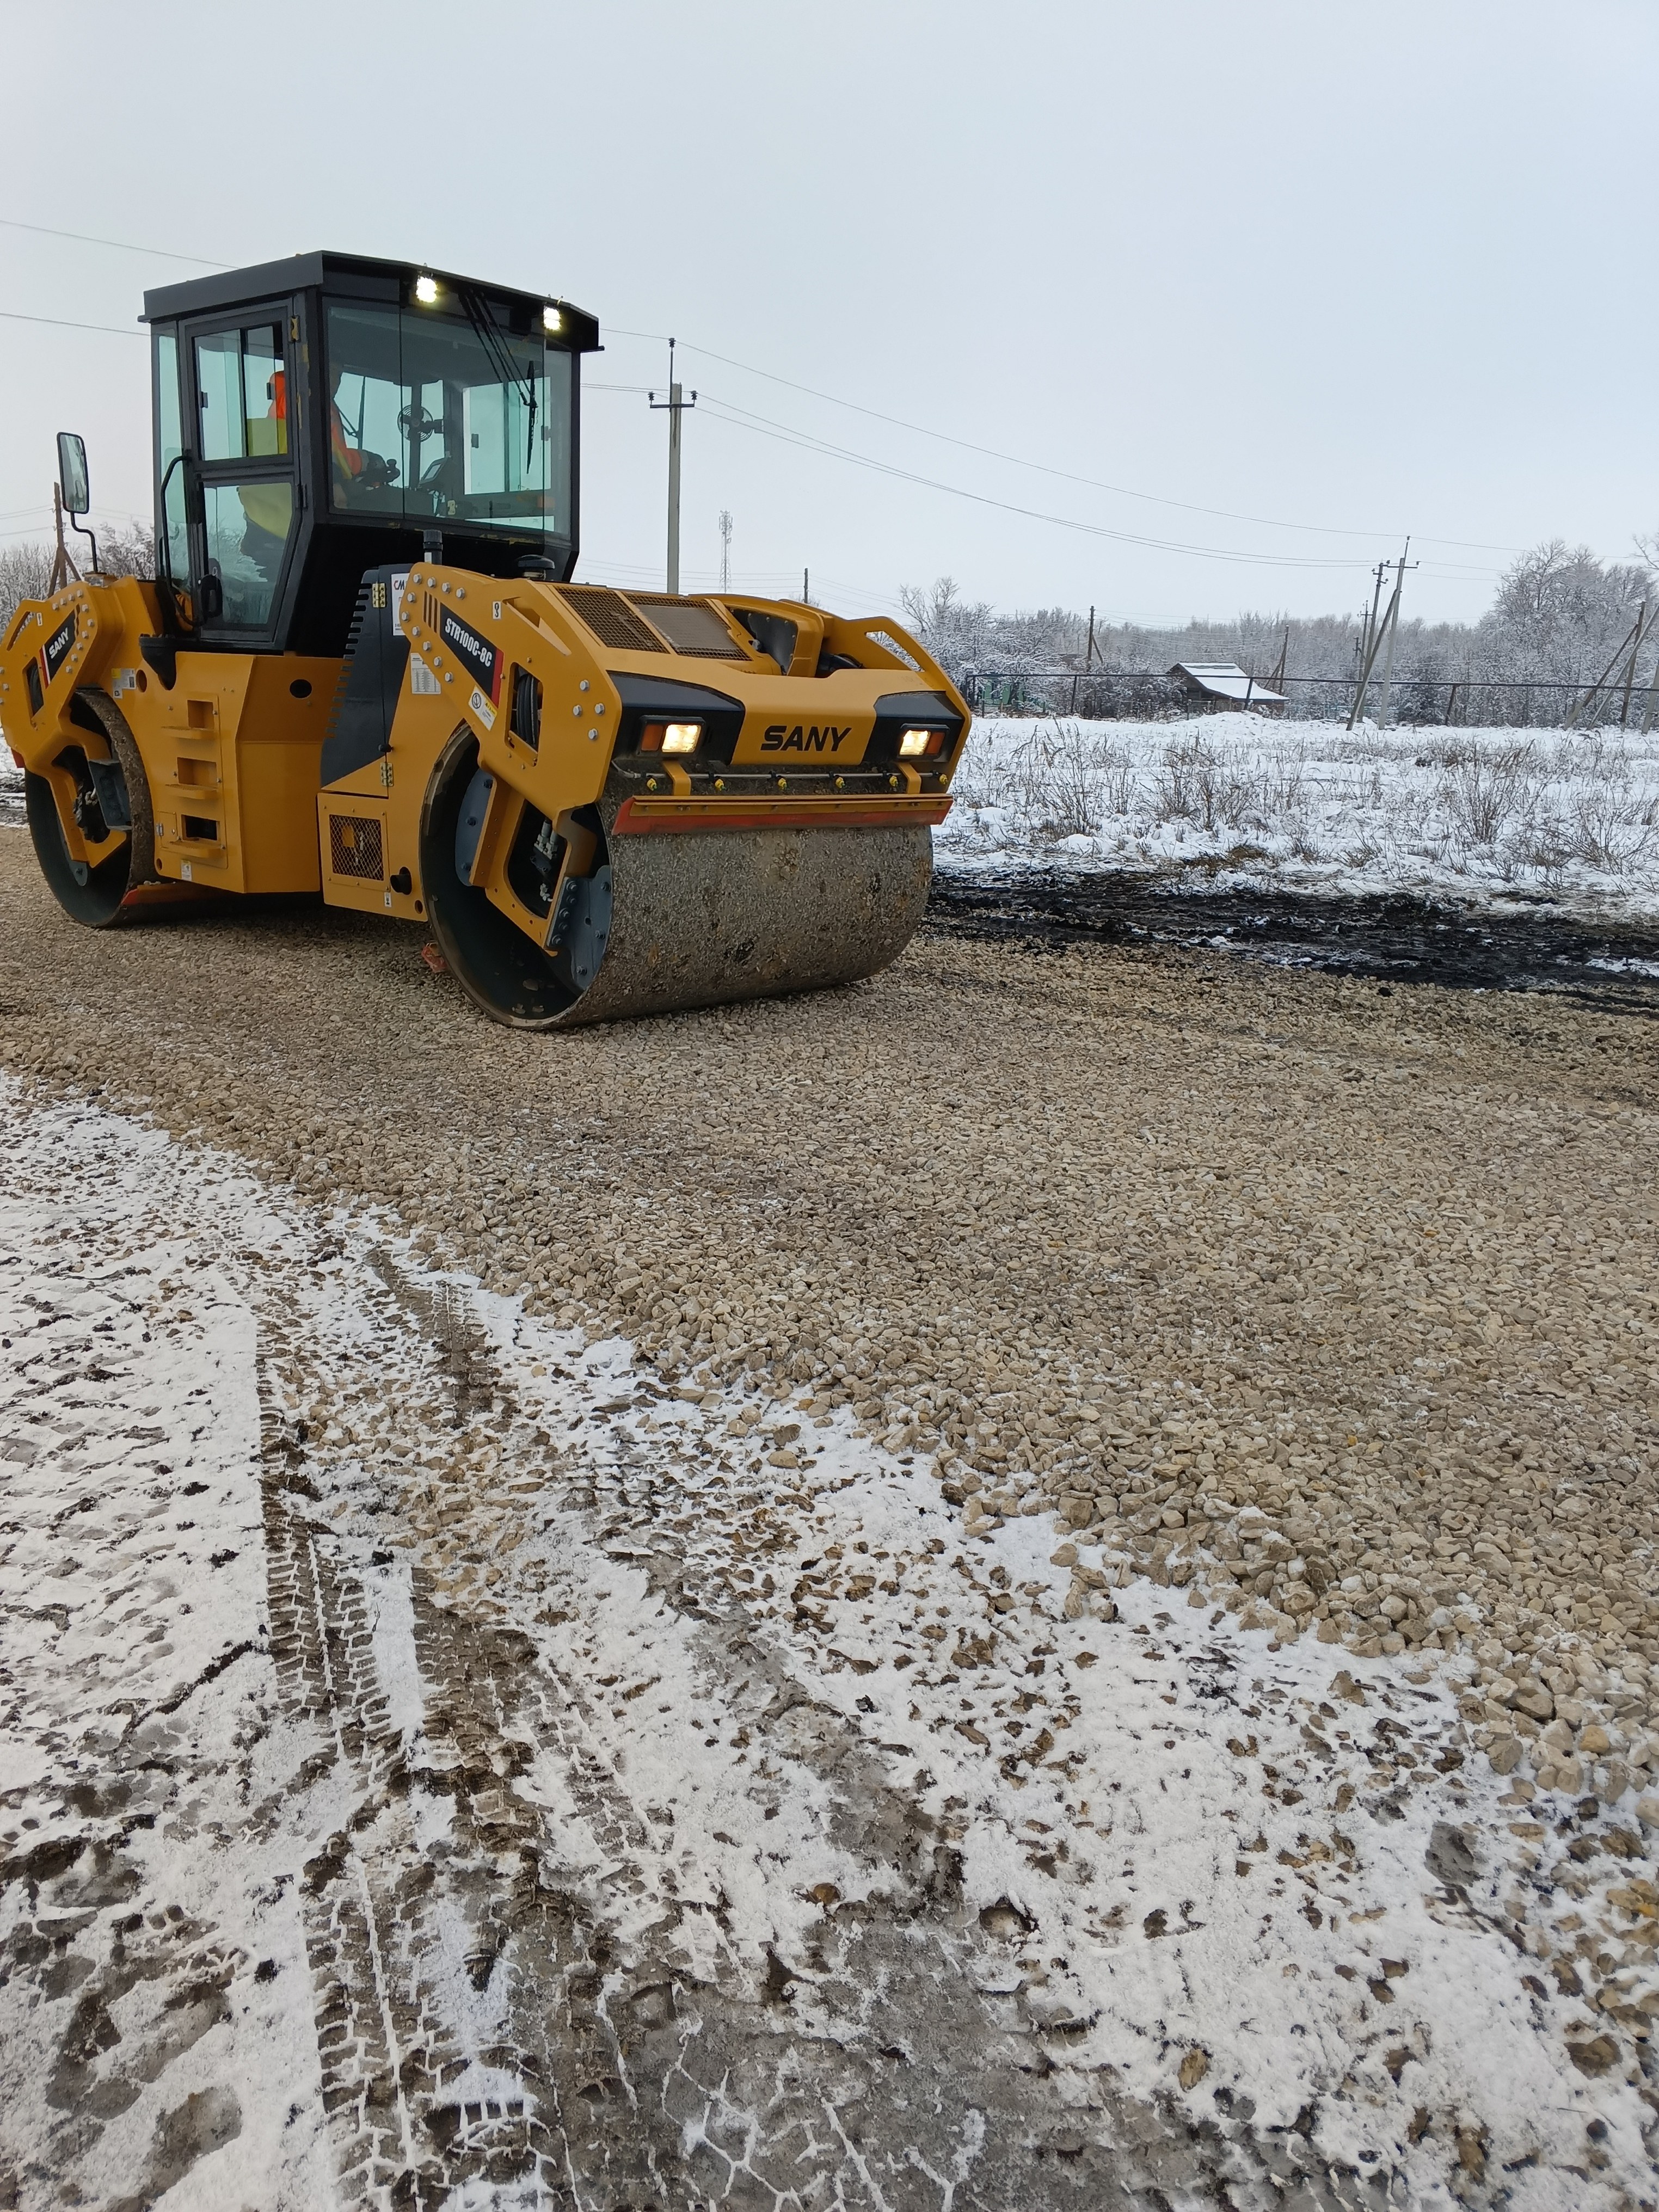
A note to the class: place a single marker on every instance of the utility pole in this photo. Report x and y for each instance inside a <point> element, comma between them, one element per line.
<point>1631,642</point>
<point>1653,698</point>
<point>1088,658</point>
<point>1378,574</point>
<point>726,548</point>
<point>676,404</point>
<point>1388,628</point>
<point>805,587</point>
<point>1630,672</point>
<point>1393,632</point>
<point>1367,647</point>
<point>63,567</point>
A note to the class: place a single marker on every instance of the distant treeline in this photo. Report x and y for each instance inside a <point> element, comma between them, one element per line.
<point>1558,619</point>
<point>1555,623</point>
<point>26,569</point>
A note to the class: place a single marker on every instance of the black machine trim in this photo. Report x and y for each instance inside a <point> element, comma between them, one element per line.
<point>898,711</point>
<point>651,698</point>
<point>371,677</point>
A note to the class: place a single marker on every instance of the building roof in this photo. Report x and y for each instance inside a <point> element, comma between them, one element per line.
<point>1225,679</point>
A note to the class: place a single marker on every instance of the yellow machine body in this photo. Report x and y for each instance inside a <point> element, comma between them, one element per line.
<point>365,670</point>
<point>232,755</point>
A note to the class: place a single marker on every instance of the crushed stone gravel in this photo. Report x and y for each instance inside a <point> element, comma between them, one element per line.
<point>621,1775</point>
<point>1330,1306</point>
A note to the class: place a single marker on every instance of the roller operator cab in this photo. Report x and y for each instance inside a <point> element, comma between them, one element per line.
<point>364,668</point>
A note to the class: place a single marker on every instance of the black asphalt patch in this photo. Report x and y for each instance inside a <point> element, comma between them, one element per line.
<point>1524,945</point>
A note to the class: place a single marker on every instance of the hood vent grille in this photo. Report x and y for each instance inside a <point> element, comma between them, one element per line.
<point>692,626</point>
<point>609,617</point>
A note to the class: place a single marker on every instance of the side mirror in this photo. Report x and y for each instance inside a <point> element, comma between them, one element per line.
<point>72,473</point>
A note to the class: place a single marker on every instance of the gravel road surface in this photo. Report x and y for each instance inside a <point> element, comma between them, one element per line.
<point>1320,1316</point>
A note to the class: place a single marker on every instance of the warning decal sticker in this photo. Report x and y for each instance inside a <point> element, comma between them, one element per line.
<point>481,659</point>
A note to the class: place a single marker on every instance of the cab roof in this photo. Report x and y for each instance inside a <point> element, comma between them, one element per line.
<point>358,277</point>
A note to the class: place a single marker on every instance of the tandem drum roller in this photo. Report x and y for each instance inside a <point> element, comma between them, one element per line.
<point>365,668</point>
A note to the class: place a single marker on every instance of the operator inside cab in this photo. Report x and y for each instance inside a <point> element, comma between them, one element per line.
<point>268,507</point>
<point>356,470</point>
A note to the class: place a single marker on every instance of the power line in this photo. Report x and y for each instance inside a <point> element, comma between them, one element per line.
<point>61,322</point>
<point>120,513</point>
<point>762,583</point>
<point>741,420</point>
<point>82,238</point>
<point>1042,467</point>
<point>918,429</point>
<point>1121,491</point>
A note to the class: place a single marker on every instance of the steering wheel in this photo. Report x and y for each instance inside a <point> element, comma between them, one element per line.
<point>417,422</point>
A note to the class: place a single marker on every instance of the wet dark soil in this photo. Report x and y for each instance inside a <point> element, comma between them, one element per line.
<point>1521,944</point>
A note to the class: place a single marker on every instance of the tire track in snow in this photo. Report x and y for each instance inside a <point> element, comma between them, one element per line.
<point>705,2071</point>
<point>628,1881</point>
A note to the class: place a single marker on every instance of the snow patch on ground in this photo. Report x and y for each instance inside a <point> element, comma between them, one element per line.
<point>1271,1887</point>
<point>1482,813</point>
<point>136,1668</point>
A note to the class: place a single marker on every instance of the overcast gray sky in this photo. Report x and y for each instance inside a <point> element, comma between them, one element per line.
<point>1360,271</point>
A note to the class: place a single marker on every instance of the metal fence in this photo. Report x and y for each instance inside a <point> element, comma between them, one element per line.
<point>1439,702</point>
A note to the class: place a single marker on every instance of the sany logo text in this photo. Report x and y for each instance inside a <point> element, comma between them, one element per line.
<point>780,738</point>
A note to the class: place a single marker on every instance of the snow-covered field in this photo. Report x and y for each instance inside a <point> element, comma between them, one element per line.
<point>1477,813</point>
<point>426,1738</point>
<point>1573,817</point>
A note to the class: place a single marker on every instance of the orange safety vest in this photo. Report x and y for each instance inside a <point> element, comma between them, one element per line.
<point>347,457</point>
<point>269,507</point>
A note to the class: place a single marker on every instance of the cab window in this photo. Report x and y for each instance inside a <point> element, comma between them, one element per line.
<point>435,416</point>
<point>247,526</point>
<point>169,447</point>
<point>246,476</point>
<point>241,395</point>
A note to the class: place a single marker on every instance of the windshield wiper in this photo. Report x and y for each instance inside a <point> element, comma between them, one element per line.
<point>500,359</point>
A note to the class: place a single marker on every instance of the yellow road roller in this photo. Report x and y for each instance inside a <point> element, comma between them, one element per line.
<point>364,668</point>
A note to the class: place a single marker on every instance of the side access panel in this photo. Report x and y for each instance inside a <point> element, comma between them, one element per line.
<point>389,720</point>
<point>232,754</point>
<point>278,751</point>
<point>353,832</point>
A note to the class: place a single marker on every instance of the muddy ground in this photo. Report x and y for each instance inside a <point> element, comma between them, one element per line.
<point>1523,943</point>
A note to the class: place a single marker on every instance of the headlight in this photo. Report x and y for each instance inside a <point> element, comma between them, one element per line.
<point>915,744</point>
<point>426,290</point>
<point>552,321</point>
<point>671,737</point>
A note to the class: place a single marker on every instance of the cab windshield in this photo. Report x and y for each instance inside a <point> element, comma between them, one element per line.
<point>445,415</point>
